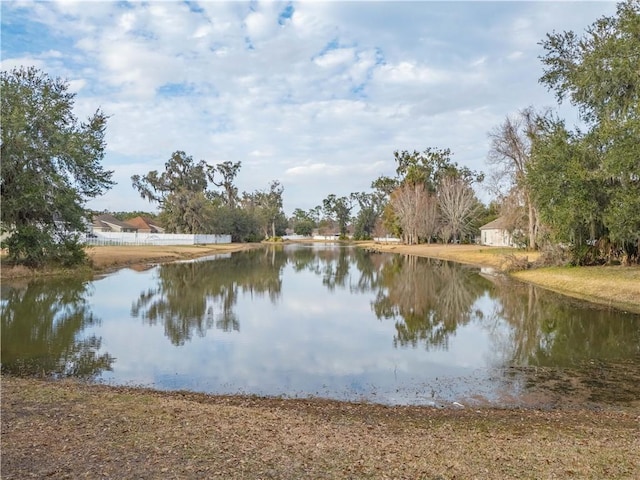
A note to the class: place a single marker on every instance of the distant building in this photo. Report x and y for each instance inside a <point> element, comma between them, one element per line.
<point>495,234</point>
<point>145,225</point>
<point>109,223</point>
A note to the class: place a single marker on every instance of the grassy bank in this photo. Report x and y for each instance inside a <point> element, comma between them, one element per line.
<point>614,286</point>
<point>497,258</point>
<point>73,430</point>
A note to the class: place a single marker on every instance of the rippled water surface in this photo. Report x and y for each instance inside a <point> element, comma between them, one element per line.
<point>328,321</point>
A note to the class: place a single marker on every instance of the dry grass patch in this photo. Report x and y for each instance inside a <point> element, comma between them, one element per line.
<point>617,286</point>
<point>495,257</point>
<point>73,430</point>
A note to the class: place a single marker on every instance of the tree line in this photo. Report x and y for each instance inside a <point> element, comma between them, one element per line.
<point>573,191</point>
<point>426,182</point>
<point>188,203</point>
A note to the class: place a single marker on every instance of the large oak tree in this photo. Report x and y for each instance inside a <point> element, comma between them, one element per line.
<point>181,192</point>
<point>598,72</point>
<point>51,165</point>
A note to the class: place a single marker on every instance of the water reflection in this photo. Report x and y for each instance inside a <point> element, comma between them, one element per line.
<point>192,297</point>
<point>42,326</point>
<point>334,266</point>
<point>323,320</point>
<point>549,330</point>
<point>563,350</point>
<point>429,299</point>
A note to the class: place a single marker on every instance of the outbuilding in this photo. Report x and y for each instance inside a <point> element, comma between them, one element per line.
<point>495,234</point>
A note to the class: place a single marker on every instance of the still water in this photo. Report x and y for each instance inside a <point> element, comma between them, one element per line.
<point>325,321</point>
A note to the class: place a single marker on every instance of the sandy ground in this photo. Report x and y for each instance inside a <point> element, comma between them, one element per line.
<point>109,257</point>
<point>482,256</point>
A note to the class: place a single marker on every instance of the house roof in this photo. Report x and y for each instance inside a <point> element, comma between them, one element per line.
<point>139,223</point>
<point>105,218</point>
<point>499,223</point>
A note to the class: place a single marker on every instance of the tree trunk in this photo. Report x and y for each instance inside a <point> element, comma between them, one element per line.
<point>532,224</point>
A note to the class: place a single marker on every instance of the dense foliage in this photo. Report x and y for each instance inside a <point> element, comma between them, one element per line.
<point>188,204</point>
<point>587,184</point>
<point>580,189</point>
<point>181,192</point>
<point>51,165</point>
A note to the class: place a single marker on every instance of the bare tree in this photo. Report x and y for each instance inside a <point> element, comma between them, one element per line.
<point>459,207</point>
<point>514,213</point>
<point>510,153</point>
<point>416,210</point>
<point>404,208</point>
<point>428,219</point>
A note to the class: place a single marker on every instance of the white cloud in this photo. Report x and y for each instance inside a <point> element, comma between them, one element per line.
<point>479,62</point>
<point>411,73</point>
<point>258,25</point>
<point>26,61</point>
<point>335,58</point>
<point>76,85</point>
<point>312,170</point>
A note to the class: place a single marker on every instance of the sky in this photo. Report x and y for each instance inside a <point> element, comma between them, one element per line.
<point>317,95</point>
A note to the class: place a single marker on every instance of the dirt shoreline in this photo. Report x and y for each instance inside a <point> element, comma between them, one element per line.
<point>68,429</point>
<point>104,259</point>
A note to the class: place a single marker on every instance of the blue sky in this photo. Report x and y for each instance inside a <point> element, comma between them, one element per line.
<point>317,95</point>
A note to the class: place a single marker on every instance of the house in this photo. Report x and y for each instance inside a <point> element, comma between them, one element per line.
<point>145,225</point>
<point>108,223</point>
<point>495,234</point>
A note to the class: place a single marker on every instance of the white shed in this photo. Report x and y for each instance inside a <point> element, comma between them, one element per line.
<point>496,234</point>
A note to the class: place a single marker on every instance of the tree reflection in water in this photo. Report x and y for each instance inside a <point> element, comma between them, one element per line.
<point>550,330</point>
<point>334,266</point>
<point>560,346</point>
<point>429,299</point>
<point>192,297</point>
<point>42,324</point>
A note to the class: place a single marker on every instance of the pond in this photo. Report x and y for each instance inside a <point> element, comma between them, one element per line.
<point>325,321</point>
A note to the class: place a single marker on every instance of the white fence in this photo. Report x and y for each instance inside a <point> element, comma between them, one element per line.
<point>128,238</point>
<point>387,240</point>
<point>376,239</point>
